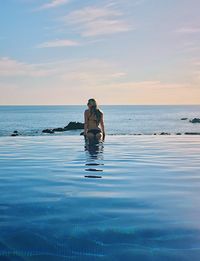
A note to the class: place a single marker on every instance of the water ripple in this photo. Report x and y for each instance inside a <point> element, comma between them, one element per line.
<point>142,206</point>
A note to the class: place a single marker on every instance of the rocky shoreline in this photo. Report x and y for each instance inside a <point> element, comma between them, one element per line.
<point>195,120</point>
<point>16,133</point>
<point>71,126</point>
<point>79,126</point>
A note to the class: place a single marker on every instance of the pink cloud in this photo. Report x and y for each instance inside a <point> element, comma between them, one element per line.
<point>53,3</point>
<point>188,30</point>
<point>58,43</point>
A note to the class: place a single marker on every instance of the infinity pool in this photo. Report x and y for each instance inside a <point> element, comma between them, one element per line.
<point>131,198</point>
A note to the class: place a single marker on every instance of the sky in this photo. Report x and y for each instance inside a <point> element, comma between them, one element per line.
<point>63,52</point>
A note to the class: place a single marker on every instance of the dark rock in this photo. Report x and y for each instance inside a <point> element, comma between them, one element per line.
<point>192,133</point>
<point>184,119</point>
<point>195,120</point>
<point>155,134</point>
<point>71,126</point>
<point>48,131</point>
<point>14,134</point>
<point>74,126</point>
<point>82,133</point>
<point>58,130</point>
<point>165,133</point>
<point>178,133</point>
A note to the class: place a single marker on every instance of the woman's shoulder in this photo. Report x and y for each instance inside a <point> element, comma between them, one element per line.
<point>86,111</point>
<point>100,111</point>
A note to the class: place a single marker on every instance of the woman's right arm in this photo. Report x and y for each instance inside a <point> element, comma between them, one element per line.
<point>85,122</point>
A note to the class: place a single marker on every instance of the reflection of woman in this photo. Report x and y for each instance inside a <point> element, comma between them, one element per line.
<point>94,122</point>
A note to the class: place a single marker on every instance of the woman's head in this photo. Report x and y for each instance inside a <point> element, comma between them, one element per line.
<point>92,103</point>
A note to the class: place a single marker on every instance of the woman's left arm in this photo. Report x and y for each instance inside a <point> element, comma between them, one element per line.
<point>102,125</point>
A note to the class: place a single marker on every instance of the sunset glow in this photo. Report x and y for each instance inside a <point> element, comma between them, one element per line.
<point>118,51</point>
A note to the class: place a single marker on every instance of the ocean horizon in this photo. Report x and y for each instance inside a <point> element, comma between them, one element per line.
<point>119,119</point>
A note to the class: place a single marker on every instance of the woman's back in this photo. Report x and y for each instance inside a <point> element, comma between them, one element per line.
<point>92,120</point>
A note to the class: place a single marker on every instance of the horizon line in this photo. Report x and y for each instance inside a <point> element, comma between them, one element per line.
<point>100,104</point>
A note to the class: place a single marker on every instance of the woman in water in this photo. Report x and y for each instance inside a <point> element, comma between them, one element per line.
<point>94,122</point>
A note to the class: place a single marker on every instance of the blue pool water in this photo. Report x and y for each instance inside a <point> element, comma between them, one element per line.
<point>143,206</point>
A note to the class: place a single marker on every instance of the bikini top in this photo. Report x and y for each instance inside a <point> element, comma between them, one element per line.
<point>92,121</point>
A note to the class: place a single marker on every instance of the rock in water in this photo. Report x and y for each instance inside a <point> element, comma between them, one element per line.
<point>192,133</point>
<point>74,126</point>
<point>48,131</point>
<point>71,126</point>
<point>184,119</point>
<point>58,130</point>
<point>195,120</point>
<point>15,133</point>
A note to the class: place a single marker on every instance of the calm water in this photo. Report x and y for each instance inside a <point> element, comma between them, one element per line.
<point>144,205</point>
<point>123,120</point>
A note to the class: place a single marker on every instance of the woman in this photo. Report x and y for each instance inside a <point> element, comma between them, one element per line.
<point>93,121</point>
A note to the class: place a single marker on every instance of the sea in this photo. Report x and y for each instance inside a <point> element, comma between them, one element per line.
<point>119,119</point>
<point>130,197</point>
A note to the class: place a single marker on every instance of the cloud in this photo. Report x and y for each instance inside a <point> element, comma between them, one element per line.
<point>196,63</point>
<point>10,67</point>
<point>89,73</point>
<point>144,85</point>
<point>58,43</point>
<point>93,21</point>
<point>90,14</point>
<point>188,30</point>
<point>149,92</point>
<point>85,77</point>
<point>53,4</point>
<point>104,27</point>
<point>118,75</point>
<point>80,72</point>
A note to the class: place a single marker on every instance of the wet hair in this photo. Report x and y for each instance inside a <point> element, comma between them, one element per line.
<point>94,109</point>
